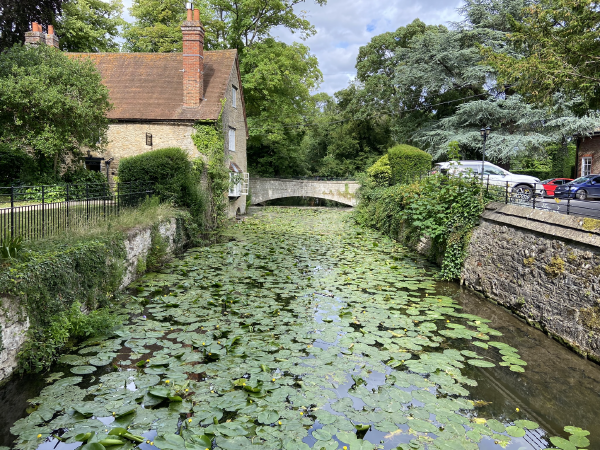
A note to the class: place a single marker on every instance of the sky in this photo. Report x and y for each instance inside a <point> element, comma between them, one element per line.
<point>343,26</point>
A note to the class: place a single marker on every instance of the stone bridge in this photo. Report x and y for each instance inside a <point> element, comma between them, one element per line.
<point>264,189</point>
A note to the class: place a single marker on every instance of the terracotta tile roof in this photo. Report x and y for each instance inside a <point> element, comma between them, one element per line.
<point>149,86</point>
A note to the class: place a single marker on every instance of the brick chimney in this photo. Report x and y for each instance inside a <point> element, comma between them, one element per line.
<point>36,35</point>
<point>193,59</point>
<point>51,38</point>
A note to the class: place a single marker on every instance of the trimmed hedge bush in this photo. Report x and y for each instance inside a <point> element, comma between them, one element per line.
<point>175,177</point>
<point>407,162</point>
<point>381,172</point>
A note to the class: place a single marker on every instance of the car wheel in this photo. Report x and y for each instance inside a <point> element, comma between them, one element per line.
<point>581,194</point>
<point>523,192</point>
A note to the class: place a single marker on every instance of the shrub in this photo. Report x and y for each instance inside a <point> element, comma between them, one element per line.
<point>407,162</point>
<point>16,166</point>
<point>174,176</point>
<point>380,173</point>
<point>444,209</point>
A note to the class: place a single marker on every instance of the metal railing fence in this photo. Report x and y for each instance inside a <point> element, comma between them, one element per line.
<point>532,195</point>
<point>35,212</point>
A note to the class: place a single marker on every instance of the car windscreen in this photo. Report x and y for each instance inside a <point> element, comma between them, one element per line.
<point>580,180</point>
<point>546,181</point>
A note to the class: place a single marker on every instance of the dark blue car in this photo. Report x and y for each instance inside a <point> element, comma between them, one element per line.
<point>581,188</point>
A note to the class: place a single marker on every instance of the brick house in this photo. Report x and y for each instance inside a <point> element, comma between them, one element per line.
<point>588,154</point>
<point>159,97</point>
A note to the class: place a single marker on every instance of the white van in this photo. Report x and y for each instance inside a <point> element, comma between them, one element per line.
<point>523,185</point>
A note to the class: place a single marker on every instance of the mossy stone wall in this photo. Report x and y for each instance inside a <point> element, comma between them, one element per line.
<point>544,267</point>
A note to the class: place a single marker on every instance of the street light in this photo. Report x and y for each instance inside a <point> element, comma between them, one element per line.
<point>485,132</point>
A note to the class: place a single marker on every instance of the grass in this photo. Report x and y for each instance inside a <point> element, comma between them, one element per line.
<point>147,214</point>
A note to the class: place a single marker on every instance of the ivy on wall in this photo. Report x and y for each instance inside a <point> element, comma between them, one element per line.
<point>210,142</point>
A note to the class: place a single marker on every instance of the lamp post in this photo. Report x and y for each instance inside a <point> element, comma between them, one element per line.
<point>485,132</point>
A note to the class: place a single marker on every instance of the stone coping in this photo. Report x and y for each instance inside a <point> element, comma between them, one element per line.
<point>570,228</point>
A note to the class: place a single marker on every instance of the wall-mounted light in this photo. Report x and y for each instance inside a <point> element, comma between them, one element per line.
<point>149,139</point>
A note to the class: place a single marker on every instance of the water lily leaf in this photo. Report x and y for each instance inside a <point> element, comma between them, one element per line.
<point>579,441</point>
<point>170,442</point>
<point>160,391</point>
<point>422,426</point>
<point>83,370</point>
<point>577,431</point>
<point>562,443</point>
<point>268,417</point>
<point>496,426</point>
<point>93,446</point>
<point>527,424</point>
<point>515,431</point>
<point>480,363</point>
<point>321,435</point>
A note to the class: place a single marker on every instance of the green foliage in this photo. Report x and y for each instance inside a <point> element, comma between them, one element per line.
<point>45,344</point>
<point>72,101</point>
<point>15,165</point>
<point>175,177</point>
<point>10,247</point>
<point>549,46</point>
<point>277,79</point>
<point>81,175</point>
<point>406,162</point>
<point>443,209</point>
<point>209,140</point>
<point>381,172</point>
<point>51,280</point>
<point>90,25</point>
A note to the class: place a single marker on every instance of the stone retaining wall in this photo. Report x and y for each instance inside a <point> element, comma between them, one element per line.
<point>543,266</point>
<point>14,323</point>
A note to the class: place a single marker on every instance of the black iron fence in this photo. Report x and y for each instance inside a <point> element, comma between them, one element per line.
<point>528,195</point>
<point>34,212</point>
<point>539,197</point>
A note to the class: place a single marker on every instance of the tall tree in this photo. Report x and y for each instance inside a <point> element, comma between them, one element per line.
<point>556,49</point>
<point>16,17</point>
<point>90,25</point>
<point>229,23</point>
<point>51,103</point>
<point>277,79</point>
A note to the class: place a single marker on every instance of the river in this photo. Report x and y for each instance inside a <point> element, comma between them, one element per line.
<point>303,331</point>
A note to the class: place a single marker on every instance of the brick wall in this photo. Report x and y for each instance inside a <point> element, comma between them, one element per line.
<point>589,147</point>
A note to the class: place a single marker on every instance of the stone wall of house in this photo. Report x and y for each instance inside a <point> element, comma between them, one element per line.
<point>129,139</point>
<point>233,117</point>
<point>543,266</point>
<point>14,323</point>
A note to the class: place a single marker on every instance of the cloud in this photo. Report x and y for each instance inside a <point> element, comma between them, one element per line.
<point>343,26</point>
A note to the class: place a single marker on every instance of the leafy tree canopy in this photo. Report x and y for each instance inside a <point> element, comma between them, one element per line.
<point>50,103</point>
<point>90,25</point>
<point>228,23</point>
<point>16,17</point>
<point>555,49</point>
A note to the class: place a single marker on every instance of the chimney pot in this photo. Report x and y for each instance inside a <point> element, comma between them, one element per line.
<point>196,15</point>
<point>189,15</point>
<point>50,29</point>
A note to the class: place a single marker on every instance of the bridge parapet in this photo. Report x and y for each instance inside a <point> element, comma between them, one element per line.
<point>265,189</point>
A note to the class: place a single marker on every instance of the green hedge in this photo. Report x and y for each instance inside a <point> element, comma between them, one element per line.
<point>408,162</point>
<point>381,172</point>
<point>175,177</point>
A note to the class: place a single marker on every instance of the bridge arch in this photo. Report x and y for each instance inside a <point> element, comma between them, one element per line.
<point>265,189</point>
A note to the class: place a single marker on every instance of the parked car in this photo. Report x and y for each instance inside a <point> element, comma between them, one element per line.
<point>551,184</point>
<point>496,176</point>
<point>581,188</point>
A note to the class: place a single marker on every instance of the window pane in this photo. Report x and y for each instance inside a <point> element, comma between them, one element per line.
<point>234,97</point>
<point>586,166</point>
<point>232,139</point>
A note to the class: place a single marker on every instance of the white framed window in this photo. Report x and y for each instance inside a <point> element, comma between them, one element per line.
<point>235,184</point>
<point>231,139</point>
<point>586,166</point>
<point>234,91</point>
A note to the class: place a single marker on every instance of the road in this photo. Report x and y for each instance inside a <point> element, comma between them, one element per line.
<point>585,208</point>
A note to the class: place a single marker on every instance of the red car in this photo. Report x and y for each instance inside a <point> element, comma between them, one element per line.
<point>551,184</point>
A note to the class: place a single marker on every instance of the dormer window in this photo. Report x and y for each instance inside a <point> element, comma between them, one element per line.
<point>234,96</point>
